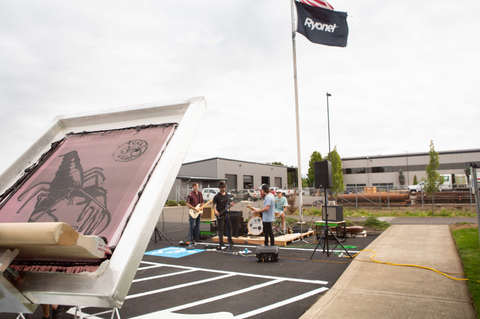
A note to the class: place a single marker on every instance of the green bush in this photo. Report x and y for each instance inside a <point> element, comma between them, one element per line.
<point>348,222</point>
<point>375,223</point>
<point>171,202</point>
<point>182,203</point>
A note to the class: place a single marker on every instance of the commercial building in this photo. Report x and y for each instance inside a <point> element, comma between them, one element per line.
<point>382,171</point>
<point>237,175</point>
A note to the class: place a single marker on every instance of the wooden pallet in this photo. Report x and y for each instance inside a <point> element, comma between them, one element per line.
<point>259,240</point>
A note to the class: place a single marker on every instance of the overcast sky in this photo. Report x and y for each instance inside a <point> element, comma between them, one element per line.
<point>409,74</point>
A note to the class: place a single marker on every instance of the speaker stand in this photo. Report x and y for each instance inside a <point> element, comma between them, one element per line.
<point>325,236</point>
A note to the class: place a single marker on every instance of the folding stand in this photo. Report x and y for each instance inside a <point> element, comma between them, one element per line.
<point>159,234</point>
<point>326,233</point>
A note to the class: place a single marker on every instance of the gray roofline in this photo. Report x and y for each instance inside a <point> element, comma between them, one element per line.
<point>202,178</point>
<point>410,155</point>
<point>232,160</point>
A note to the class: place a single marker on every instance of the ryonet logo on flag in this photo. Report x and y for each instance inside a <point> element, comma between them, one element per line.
<point>318,3</point>
<point>320,24</point>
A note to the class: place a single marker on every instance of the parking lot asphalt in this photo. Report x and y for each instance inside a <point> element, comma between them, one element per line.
<point>210,282</point>
<point>233,283</point>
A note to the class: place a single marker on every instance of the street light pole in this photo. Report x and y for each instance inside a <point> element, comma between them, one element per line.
<point>328,121</point>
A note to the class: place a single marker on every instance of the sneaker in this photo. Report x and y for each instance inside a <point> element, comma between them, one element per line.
<point>59,312</point>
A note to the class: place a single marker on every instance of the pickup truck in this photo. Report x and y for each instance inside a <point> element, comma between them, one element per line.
<point>416,188</point>
<point>209,193</point>
<point>450,182</point>
<point>285,192</point>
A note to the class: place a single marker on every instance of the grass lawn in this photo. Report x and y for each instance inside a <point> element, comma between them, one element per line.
<point>468,246</point>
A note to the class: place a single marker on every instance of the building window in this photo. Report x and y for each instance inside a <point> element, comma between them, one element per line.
<point>382,169</point>
<point>355,170</point>
<point>231,181</point>
<point>383,186</point>
<point>247,181</point>
<point>266,180</point>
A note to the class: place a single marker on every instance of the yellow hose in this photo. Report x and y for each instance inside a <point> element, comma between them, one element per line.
<point>408,265</point>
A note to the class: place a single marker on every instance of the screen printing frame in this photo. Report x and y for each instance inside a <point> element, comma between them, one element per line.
<point>109,286</point>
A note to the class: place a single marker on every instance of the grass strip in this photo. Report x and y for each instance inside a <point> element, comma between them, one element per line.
<point>468,246</point>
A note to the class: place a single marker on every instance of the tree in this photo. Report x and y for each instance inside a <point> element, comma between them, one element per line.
<point>415,180</point>
<point>434,179</point>
<point>277,163</point>
<point>337,172</point>
<point>401,177</point>
<point>315,157</point>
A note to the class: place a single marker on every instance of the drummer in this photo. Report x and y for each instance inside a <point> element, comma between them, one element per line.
<point>281,207</point>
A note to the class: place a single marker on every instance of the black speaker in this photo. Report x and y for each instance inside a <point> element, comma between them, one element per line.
<point>323,174</point>
<point>267,253</point>
<point>235,213</point>
<point>237,226</point>
<point>335,213</point>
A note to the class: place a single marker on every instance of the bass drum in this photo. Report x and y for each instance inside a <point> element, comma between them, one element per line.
<point>255,226</point>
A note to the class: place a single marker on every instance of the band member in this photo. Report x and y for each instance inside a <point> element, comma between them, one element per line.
<point>268,215</point>
<point>220,205</point>
<point>280,207</point>
<point>194,198</point>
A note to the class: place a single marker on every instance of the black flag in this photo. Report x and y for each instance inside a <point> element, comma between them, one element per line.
<point>322,26</point>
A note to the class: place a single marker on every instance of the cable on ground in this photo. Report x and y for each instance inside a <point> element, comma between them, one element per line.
<point>408,265</point>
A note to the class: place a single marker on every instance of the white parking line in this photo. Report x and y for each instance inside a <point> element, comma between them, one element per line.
<point>318,282</point>
<point>163,276</point>
<point>151,292</point>
<point>230,294</point>
<point>281,303</point>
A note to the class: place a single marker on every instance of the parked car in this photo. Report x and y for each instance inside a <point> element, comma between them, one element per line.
<point>242,194</point>
<point>255,194</point>
<point>209,193</point>
<point>416,188</point>
<point>285,192</point>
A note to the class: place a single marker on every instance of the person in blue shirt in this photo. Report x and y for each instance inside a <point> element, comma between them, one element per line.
<point>268,215</point>
<point>281,207</point>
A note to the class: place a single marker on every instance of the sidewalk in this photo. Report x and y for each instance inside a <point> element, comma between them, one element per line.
<point>371,290</point>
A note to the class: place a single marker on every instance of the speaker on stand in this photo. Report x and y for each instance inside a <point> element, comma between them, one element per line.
<point>323,179</point>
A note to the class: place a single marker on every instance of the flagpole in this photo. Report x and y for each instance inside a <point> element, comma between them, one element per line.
<point>300,206</point>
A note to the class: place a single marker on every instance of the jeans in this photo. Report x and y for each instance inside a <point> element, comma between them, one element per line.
<point>268,232</point>
<point>221,227</point>
<point>194,228</point>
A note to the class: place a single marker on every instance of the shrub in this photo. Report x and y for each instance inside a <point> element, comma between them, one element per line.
<point>375,223</point>
<point>182,203</point>
<point>171,202</point>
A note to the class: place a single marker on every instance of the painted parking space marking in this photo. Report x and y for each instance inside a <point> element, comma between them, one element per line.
<point>173,252</point>
<point>163,276</point>
<point>156,291</point>
<point>221,274</point>
<point>308,281</point>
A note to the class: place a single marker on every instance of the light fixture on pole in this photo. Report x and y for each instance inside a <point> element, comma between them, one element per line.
<point>328,121</point>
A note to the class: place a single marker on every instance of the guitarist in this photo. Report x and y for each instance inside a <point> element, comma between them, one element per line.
<point>219,204</point>
<point>195,198</point>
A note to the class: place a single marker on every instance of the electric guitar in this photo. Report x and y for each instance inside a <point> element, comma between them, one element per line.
<point>253,209</point>
<point>194,213</point>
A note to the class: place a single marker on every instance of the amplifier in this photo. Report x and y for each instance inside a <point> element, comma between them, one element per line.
<point>237,226</point>
<point>335,213</point>
<point>267,253</point>
<point>235,213</point>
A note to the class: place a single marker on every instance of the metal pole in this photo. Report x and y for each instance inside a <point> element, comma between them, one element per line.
<point>477,201</point>
<point>299,161</point>
<point>408,176</point>
<point>328,121</point>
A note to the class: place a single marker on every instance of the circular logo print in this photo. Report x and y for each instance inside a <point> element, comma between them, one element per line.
<point>130,150</point>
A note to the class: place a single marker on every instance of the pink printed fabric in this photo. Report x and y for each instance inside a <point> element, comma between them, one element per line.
<point>91,181</point>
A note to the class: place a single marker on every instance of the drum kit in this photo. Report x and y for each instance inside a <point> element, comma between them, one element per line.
<point>255,224</point>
